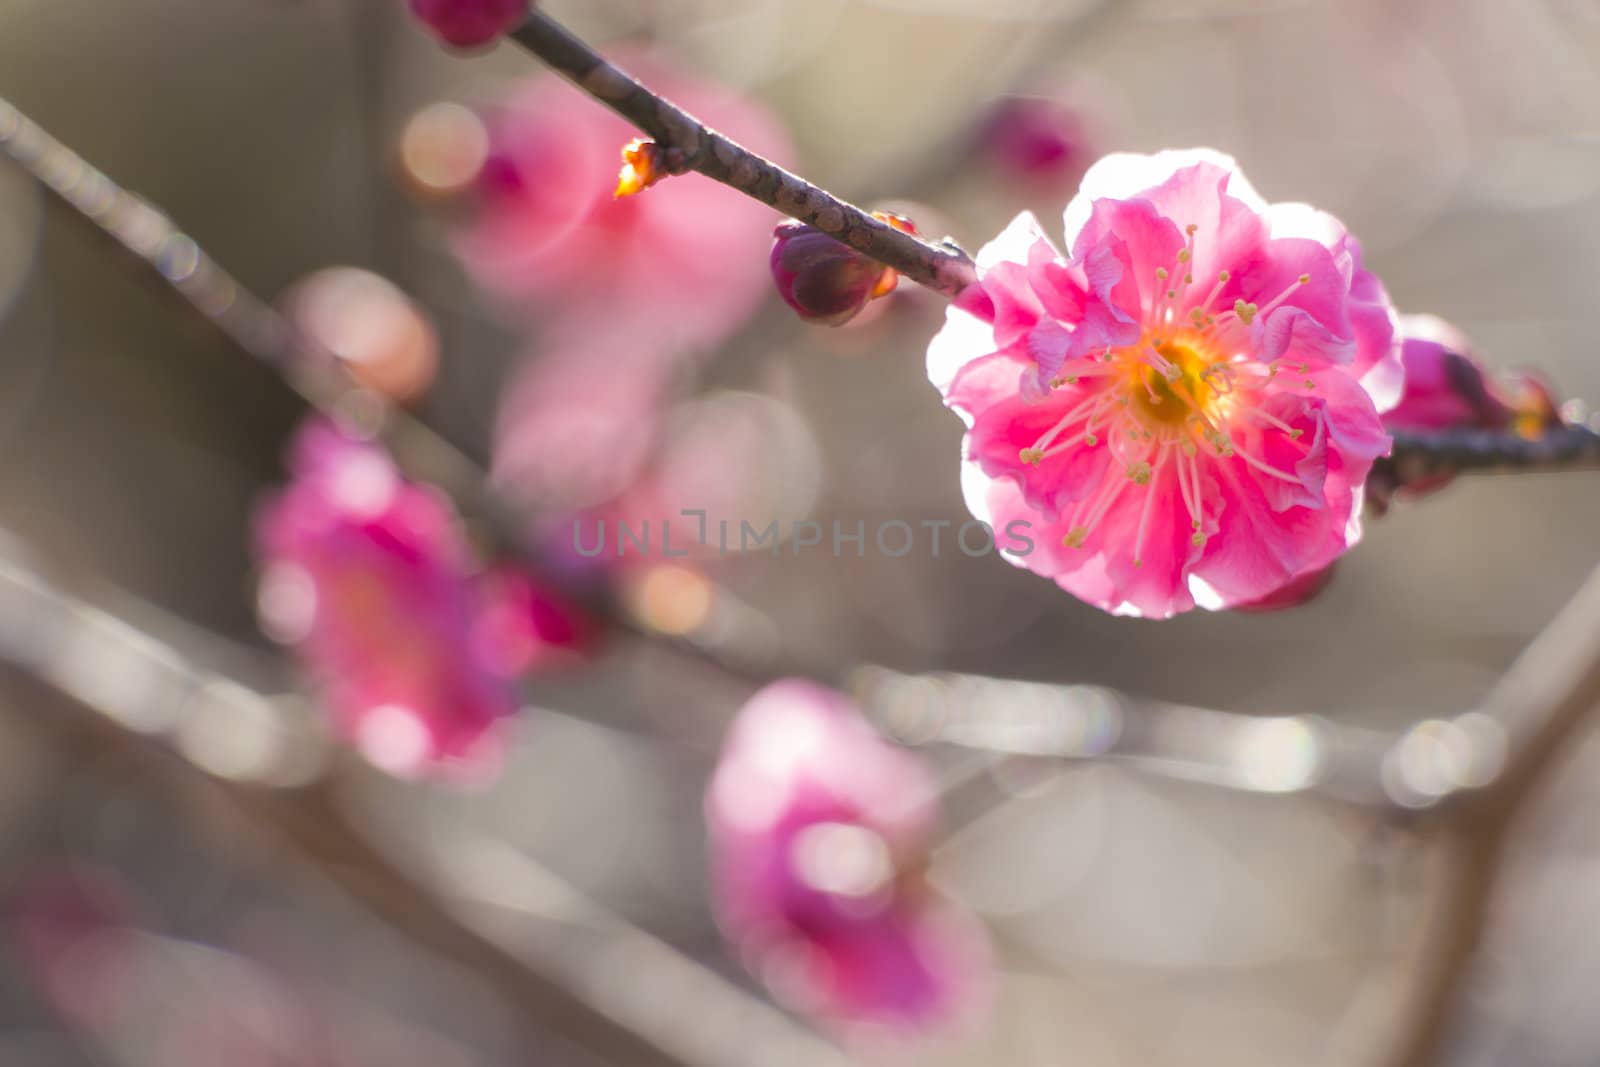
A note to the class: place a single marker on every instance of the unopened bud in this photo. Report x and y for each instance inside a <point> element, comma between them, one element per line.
<point>826,281</point>
<point>469,23</point>
<point>644,163</point>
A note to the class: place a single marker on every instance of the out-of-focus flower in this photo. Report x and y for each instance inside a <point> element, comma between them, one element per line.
<point>1037,138</point>
<point>73,928</point>
<point>526,625</point>
<point>826,281</point>
<point>368,576</point>
<point>580,417</point>
<point>685,258</point>
<point>469,23</point>
<point>1184,410</point>
<point>819,835</point>
<point>376,331</point>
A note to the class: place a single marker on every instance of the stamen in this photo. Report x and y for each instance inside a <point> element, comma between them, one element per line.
<point>1272,305</point>
<point>1216,290</point>
<point>1220,377</point>
<point>1078,373</point>
<point>1273,420</point>
<point>1091,405</point>
<point>1264,467</point>
<point>1079,529</point>
<point>1152,482</point>
<point>1168,369</point>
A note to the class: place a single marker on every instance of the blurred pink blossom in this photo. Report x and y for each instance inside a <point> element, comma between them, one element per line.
<point>469,23</point>
<point>819,835</point>
<point>1037,138</point>
<point>73,926</point>
<point>685,257</point>
<point>526,625</point>
<point>580,416</point>
<point>368,576</point>
<point>1184,409</point>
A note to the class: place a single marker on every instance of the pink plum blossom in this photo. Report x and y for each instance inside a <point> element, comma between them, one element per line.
<point>369,577</point>
<point>819,834</point>
<point>684,257</point>
<point>1183,408</point>
<point>469,23</point>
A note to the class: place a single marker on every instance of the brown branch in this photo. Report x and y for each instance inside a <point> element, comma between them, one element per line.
<point>1420,458</point>
<point>1541,703</point>
<point>692,145</point>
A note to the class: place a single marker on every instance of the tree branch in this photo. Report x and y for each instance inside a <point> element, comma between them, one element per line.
<point>1541,704</point>
<point>944,268</point>
<point>1420,458</point>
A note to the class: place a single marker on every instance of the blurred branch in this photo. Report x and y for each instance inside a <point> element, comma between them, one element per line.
<point>573,972</point>
<point>1542,703</point>
<point>1419,458</point>
<point>253,325</point>
<point>691,145</point>
<point>1248,753</point>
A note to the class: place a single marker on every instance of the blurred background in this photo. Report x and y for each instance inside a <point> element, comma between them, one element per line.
<point>182,902</point>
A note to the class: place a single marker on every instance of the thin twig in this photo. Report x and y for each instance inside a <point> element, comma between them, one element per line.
<point>944,268</point>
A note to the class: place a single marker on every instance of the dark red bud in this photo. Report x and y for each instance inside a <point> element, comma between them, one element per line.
<point>826,281</point>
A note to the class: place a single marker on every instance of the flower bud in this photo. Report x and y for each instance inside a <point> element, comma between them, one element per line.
<point>643,164</point>
<point>827,281</point>
<point>469,23</point>
<point>1446,388</point>
<point>1534,405</point>
<point>1445,385</point>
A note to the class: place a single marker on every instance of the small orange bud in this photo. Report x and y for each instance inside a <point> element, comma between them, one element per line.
<point>644,163</point>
